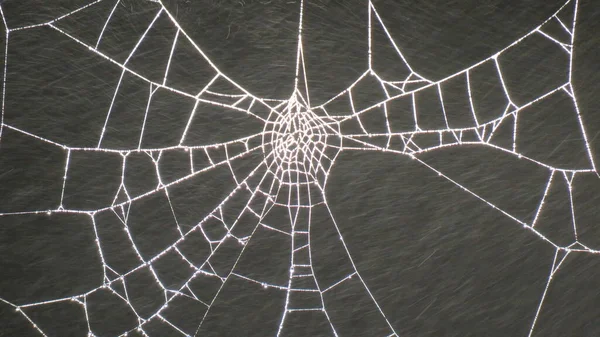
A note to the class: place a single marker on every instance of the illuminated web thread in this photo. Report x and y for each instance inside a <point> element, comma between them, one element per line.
<point>298,155</point>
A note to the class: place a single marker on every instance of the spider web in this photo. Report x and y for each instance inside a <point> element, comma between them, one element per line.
<point>278,167</point>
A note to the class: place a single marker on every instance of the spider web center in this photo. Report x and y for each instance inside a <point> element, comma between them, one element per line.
<point>295,140</point>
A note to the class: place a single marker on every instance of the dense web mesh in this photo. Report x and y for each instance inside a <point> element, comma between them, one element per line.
<point>279,165</point>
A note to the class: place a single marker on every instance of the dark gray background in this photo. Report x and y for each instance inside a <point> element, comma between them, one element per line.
<point>439,261</point>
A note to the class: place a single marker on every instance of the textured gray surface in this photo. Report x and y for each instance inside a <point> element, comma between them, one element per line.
<point>437,260</point>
